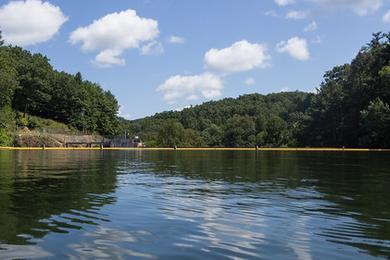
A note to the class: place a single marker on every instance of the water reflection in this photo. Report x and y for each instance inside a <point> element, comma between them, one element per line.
<point>44,192</point>
<point>21,252</point>
<point>337,198</point>
<point>84,205</point>
<point>108,243</point>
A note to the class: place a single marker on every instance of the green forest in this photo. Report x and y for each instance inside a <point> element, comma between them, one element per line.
<point>30,86</point>
<point>350,109</point>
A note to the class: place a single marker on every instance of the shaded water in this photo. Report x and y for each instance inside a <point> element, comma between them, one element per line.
<point>182,204</point>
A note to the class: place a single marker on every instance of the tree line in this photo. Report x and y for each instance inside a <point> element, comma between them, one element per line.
<point>30,86</point>
<point>350,109</point>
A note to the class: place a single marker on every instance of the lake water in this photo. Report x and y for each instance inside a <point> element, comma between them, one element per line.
<point>194,205</point>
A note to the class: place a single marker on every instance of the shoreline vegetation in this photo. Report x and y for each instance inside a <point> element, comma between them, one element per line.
<point>40,106</point>
<point>193,149</point>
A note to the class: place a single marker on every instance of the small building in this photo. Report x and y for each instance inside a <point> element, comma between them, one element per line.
<point>137,142</point>
<point>134,142</point>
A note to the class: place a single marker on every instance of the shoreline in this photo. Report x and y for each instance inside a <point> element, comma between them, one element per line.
<point>193,149</point>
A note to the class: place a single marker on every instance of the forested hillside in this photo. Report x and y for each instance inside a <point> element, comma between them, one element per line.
<point>250,120</point>
<point>351,109</point>
<point>30,85</point>
<point>352,106</point>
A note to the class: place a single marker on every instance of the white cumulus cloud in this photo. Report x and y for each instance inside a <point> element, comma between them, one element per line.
<point>360,7</point>
<point>386,17</point>
<point>241,56</point>
<point>109,58</point>
<point>30,22</point>
<point>284,2</point>
<point>176,39</point>
<point>296,47</point>
<point>114,33</point>
<point>297,15</point>
<point>205,85</point>
<point>311,27</point>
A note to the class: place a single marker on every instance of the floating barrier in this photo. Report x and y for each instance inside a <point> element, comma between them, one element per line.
<point>257,149</point>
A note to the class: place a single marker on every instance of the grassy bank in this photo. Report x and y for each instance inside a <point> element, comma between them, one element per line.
<point>33,131</point>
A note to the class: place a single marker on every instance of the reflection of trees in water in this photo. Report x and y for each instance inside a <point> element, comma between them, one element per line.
<point>353,188</point>
<point>35,186</point>
<point>360,193</point>
<point>350,189</point>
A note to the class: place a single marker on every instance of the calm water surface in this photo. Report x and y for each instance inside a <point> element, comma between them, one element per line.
<point>195,205</point>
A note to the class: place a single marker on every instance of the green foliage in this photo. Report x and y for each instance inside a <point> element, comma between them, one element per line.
<point>375,125</point>
<point>276,133</point>
<point>1,40</point>
<point>37,123</point>
<point>351,107</point>
<point>192,139</point>
<point>7,118</point>
<point>345,111</point>
<point>5,138</point>
<point>30,85</point>
<point>212,135</point>
<point>171,134</point>
<point>240,132</point>
<point>8,81</point>
<point>247,121</point>
<point>22,121</point>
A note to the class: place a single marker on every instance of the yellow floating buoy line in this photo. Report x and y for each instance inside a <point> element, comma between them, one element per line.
<point>258,149</point>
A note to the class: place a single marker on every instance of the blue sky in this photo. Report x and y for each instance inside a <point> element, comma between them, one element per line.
<point>157,55</point>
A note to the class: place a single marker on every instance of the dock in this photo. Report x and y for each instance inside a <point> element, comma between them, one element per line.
<point>87,144</point>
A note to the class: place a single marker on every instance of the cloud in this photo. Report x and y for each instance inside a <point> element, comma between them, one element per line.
<point>241,56</point>
<point>249,81</point>
<point>311,27</point>
<point>296,47</point>
<point>297,15</point>
<point>284,2</point>
<point>176,40</point>
<point>109,58</point>
<point>360,7</point>
<point>113,34</point>
<point>30,22</point>
<point>386,17</point>
<point>152,48</point>
<point>205,85</point>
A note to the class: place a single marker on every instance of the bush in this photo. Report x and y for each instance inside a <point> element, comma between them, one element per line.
<point>5,138</point>
<point>7,119</point>
<point>22,121</point>
<point>33,123</point>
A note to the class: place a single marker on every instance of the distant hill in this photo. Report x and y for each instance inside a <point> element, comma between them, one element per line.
<point>245,121</point>
<point>351,109</point>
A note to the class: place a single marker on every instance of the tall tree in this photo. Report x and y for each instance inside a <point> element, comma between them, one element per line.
<point>375,125</point>
<point>1,39</point>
